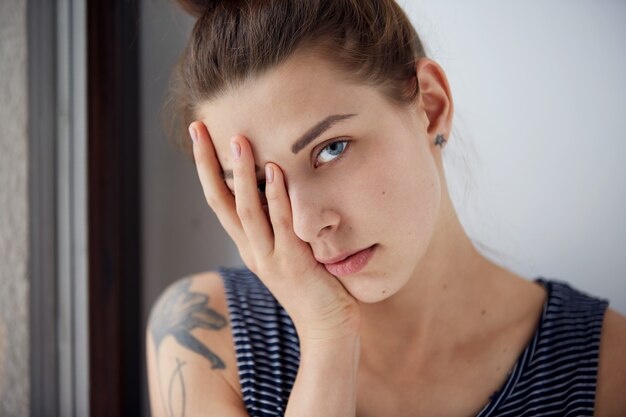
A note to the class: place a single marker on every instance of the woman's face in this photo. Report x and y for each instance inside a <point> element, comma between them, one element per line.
<point>370,178</point>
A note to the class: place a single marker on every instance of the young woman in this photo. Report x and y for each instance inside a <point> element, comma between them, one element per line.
<point>317,128</point>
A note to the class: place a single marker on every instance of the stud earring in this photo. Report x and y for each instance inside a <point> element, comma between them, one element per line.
<point>439,140</point>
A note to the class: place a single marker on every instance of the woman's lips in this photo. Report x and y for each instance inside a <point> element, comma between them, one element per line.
<point>352,264</point>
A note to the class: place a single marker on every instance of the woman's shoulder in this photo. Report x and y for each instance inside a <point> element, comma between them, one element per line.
<point>570,303</point>
<point>194,310</point>
<point>190,349</point>
<point>610,399</point>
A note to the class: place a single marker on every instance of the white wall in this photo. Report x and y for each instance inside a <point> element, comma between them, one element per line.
<point>540,94</point>
<point>538,89</point>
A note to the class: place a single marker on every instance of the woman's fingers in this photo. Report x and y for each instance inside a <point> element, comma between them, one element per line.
<point>242,216</point>
<point>279,206</point>
<point>216,193</point>
<point>249,209</point>
<point>286,244</point>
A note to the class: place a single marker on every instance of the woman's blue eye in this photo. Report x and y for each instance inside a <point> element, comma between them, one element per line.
<point>335,149</point>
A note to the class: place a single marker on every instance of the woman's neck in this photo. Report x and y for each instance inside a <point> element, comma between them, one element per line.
<point>441,306</point>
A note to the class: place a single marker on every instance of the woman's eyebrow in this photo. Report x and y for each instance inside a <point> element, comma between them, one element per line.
<point>317,130</point>
<point>308,137</point>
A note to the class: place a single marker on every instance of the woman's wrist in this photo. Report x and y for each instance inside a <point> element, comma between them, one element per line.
<point>323,345</point>
<point>326,383</point>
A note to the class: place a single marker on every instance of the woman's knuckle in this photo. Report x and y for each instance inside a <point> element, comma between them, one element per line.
<point>239,170</point>
<point>245,213</point>
<point>282,223</point>
<point>247,258</point>
<point>271,196</point>
<point>211,199</point>
<point>251,266</point>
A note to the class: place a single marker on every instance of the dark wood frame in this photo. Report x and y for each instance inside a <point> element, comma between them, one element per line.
<point>114,207</point>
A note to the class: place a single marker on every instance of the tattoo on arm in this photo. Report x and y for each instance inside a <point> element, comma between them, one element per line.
<point>177,313</point>
<point>178,372</point>
<point>180,311</point>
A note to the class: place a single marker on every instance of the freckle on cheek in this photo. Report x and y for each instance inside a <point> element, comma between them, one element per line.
<point>384,192</point>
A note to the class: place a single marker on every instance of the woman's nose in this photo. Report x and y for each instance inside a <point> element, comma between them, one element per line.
<point>312,216</point>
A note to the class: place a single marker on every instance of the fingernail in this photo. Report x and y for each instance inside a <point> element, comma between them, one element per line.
<point>193,134</point>
<point>234,146</point>
<point>269,174</point>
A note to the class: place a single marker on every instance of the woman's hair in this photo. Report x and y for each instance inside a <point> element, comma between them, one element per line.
<point>371,42</point>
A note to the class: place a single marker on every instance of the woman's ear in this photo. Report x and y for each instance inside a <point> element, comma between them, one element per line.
<point>435,98</point>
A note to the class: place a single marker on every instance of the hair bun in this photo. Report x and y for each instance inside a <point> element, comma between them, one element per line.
<point>196,7</point>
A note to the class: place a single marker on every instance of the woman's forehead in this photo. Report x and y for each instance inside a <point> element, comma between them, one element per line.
<point>260,111</point>
<point>282,138</point>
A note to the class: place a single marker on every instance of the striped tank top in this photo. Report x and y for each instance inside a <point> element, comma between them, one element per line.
<point>554,375</point>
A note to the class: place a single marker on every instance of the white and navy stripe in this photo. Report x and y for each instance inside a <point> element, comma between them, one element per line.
<point>555,375</point>
<point>266,343</point>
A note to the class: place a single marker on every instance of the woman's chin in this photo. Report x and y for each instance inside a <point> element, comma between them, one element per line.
<point>368,288</point>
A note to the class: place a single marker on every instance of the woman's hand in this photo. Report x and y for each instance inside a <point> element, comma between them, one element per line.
<point>316,301</point>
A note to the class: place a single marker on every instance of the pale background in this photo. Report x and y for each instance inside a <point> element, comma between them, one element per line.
<point>540,95</point>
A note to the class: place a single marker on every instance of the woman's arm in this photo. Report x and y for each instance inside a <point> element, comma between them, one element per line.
<point>327,379</point>
<point>192,368</point>
<point>192,371</point>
